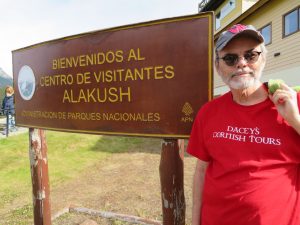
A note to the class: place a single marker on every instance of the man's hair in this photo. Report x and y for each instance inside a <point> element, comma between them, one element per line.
<point>264,50</point>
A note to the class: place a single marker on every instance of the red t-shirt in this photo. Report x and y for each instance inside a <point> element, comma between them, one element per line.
<point>253,176</point>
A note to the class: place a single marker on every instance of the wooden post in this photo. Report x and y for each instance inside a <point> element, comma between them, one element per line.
<point>171,178</point>
<point>39,177</point>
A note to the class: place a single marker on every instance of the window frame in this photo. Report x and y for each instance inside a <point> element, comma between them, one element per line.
<point>271,34</point>
<point>297,9</point>
<point>224,11</point>
<point>218,20</point>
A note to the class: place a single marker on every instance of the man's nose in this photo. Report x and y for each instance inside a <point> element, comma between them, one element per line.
<point>242,62</point>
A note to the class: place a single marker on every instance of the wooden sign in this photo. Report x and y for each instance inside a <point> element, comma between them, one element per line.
<point>147,79</point>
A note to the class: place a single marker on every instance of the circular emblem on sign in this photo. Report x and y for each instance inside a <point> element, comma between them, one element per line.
<point>26,82</point>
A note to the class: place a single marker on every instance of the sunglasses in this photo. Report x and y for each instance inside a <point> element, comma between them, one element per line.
<point>232,59</point>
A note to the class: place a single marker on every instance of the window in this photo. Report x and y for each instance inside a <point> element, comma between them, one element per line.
<point>226,9</point>
<point>218,21</point>
<point>266,32</point>
<point>291,22</point>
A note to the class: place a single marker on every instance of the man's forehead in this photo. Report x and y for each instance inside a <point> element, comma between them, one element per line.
<point>235,31</point>
<point>241,44</point>
<point>242,52</point>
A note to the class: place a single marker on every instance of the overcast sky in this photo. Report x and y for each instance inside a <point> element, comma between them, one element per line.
<point>27,22</point>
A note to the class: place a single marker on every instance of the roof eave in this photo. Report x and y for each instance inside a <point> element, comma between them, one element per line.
<point>237,20</point>
<point>212,5</point>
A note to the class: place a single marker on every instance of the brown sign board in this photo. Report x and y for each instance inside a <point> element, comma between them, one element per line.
<point>146,79</point>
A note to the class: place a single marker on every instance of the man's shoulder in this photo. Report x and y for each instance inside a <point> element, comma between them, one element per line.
<point>218,101</point>
<point>214,106</point>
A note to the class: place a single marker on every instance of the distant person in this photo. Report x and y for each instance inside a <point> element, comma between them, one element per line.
<point>8,108</point>
<point>247,142</point>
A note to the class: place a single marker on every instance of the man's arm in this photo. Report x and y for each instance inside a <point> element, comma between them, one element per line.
<point>198,184</point>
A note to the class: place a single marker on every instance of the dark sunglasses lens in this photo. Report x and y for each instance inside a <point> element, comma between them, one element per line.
<point>251,56</point>
<point>230,60</point>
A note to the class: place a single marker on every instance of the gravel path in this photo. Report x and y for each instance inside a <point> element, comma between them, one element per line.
<point>3,125</point>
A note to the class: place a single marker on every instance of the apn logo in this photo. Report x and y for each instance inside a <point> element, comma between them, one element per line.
<point>187,111</point>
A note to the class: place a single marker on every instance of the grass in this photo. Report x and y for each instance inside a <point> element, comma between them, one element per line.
<point>14,167</point>
<point>69,154</point>
<point>20,216</point>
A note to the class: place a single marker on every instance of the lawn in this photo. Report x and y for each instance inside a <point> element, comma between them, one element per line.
<point>69,154</point>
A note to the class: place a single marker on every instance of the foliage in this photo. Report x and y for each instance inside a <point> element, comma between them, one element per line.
<point>2,94</point>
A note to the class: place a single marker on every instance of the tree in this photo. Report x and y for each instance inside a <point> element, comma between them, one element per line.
<point>2,94</point>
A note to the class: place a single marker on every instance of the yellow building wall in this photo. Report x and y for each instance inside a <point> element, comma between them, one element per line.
<point>286,66</point>
<point>232,15</point>
<point>247,4</point>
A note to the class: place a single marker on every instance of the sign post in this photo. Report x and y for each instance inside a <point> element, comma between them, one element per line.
<point>171,179</point>
<point>146,79</point>
<point>39,177</point>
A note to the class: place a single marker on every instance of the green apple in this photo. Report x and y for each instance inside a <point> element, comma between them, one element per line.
<point>274,84</point>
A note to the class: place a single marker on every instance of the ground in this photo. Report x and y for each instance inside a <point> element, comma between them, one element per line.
<point>126,183</point>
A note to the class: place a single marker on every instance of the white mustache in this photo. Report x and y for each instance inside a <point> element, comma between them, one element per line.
<point>242,72</point>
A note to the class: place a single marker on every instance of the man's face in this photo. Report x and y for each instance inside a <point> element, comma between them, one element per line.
<point>245,71</point>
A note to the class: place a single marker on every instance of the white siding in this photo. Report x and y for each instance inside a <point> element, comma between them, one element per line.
<point>287,65</point>
<point>288,47</point>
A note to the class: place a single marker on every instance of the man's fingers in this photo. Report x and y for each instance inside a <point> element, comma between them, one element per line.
<point>280,96</point>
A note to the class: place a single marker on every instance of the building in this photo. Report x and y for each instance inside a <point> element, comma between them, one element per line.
<point>278,21</point>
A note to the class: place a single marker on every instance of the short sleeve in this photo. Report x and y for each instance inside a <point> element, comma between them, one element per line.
<point>298,98</point>
<point>196,146</point>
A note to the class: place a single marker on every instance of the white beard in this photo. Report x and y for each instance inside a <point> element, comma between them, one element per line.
<point>253,79</point>
<point>241,83</point>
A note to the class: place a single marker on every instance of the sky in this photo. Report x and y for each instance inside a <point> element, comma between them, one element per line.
<point>27,22</point>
